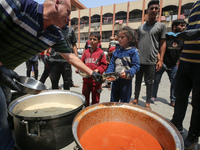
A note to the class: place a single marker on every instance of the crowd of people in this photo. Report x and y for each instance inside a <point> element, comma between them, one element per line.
<point>146,53</point>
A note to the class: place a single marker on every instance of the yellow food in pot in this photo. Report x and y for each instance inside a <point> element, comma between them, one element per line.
<point>46,109</point>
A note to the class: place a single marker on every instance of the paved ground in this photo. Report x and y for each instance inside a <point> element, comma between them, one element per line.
<point>161,106</point>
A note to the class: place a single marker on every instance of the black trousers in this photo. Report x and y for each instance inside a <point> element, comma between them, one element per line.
<point>187,80</point>
<point>46,72</point>
<point>56,70</point>
<point>29,65</point>
<point>148,71</point>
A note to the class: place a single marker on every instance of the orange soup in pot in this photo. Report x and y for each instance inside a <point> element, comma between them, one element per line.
<point>118,136</point>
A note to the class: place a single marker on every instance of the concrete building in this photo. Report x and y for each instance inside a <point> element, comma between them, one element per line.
<point>109,19</point>
<point>76,5</point>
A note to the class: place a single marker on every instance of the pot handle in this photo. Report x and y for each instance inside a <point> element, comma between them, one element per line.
<point>38,127</point>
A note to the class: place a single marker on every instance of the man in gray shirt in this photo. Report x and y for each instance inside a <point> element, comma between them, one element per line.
<point>151,41</point>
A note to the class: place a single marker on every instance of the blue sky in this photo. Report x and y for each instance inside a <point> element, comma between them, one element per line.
<point>96,3</point>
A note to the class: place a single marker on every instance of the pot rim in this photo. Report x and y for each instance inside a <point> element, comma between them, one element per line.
<point>22,98</point>
<point>169,126</point>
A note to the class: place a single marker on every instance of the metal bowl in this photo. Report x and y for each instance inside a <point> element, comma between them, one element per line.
<point>30,85</point>
<point>110,77</point>
<point>83,74</point>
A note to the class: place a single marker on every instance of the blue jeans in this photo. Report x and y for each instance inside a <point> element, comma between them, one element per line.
<point>6,140</point>
<point>171,74</point>
<point>121,90</point>
<point>187,80</point>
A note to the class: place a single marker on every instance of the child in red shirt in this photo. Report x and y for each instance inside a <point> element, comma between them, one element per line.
<point>95,59</point>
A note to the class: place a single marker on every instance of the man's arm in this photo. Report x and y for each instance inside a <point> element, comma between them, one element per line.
<point>74,48</point>
<point>161,54</point>
<point>76,62</point>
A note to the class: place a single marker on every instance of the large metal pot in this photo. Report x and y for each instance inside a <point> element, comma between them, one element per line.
<point>49,132</point>
<point>160,128</point>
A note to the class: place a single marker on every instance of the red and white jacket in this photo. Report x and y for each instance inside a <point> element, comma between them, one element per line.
<point>91,60</point>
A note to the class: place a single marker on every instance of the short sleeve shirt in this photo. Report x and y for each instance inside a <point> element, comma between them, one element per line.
<point>22,35</point>
<point>149,41</point>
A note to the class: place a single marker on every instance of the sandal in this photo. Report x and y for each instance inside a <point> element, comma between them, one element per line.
<point>134,102</point>
<point>147,106</point>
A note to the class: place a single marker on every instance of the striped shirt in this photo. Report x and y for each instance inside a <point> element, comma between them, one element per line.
<point>21,32</point>
<point>191,49</point>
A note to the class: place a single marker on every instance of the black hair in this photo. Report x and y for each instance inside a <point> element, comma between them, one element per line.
<point>153,2</point>
<point>96,34</point>
<point>177,22</point>
<point>129,32</point>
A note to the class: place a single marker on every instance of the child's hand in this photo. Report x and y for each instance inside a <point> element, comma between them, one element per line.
<point>96,70</point>
<point>123,74</point>
<point>76,71</point>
